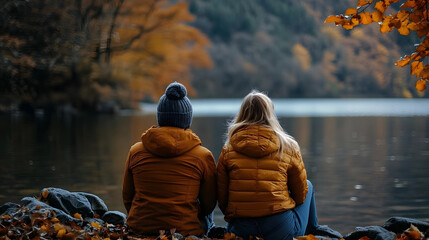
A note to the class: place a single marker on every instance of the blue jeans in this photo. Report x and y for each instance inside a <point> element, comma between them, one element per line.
<point>285,225</point>
<point>207,222</point>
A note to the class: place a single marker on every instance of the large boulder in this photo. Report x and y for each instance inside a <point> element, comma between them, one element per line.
<point>69,202</point>
<point>373,232</point>
<point>326,232</point>
<point>9,208</point>
<point>114,217</point>
<point>400,224</point>
<point>97,204</point>
<point>35,205</point>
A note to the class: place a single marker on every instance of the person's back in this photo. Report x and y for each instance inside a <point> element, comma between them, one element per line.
<point>170,179</point>
<point>262,183</point>
<point>258,175</point>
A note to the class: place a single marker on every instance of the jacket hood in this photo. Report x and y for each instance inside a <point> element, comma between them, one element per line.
<point>169,141</point>
<point>255,141</point>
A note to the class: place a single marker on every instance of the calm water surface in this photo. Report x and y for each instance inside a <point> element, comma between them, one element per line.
<point>365,169</point>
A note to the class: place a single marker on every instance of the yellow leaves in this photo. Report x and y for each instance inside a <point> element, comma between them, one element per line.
<point>402,15</point>
<point>44,228</point>
<point>167,49</point>
<point>413,26</point>
<point>350,24</point>
<point>351,11</point>
<point>416,68</point>
<point>78,216</point>
<point>61,233</point>
<point>409,4</point>
<point>45,194</point>
<point>380,6</point>
<point>365,18</point>
<point>404,30</point>
<point>308,237</point>
<point>96,225</point>
<point>364,2</point>
<point>58,227</point>
<point>415,56</point>
<point>385,26</point>
<point>425,73</point>
<point>377,16</point>
<point>333,18</point>
<point>412,233</point>
<point>403,61</point>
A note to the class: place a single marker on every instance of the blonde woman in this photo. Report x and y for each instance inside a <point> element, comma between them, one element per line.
<point>262,182</point>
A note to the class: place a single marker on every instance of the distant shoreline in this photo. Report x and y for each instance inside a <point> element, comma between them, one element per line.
<point>324,107</point>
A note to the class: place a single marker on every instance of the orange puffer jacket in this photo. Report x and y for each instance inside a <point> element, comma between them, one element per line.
<point>169,179</point>
<point>254,180</point>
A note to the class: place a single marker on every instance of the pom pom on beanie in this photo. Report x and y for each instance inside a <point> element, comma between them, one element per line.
<point>176,91</point>
<point>174,108</point>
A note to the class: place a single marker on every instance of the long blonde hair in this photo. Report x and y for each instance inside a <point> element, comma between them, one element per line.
<point>257,109</point>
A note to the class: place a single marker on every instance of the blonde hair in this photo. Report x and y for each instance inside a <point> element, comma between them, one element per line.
<point>257,109</point>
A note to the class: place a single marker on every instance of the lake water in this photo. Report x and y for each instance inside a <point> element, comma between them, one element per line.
<point>368,159</point>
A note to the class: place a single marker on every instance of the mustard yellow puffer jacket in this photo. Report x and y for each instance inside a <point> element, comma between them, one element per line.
<point>254,180</point>
<point>169,180</point>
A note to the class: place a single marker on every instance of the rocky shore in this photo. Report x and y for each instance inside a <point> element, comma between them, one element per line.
<point>60,214</point>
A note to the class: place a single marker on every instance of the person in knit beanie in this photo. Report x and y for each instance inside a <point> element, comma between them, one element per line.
<point>174,108</point>
<point>170,178</point>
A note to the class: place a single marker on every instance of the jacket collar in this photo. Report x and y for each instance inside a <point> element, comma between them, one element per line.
<point>169,141</point>
<point>255,141</point>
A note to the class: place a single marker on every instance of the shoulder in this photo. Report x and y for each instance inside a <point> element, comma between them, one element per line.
<point>201,152</point>
<point>137,147</point>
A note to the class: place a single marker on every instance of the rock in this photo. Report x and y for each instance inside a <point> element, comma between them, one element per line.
<point>32,205</point>
<point>373,232</point>
<point>115,217</point>
<point>8,208</point>
<point>69,202</point>
<point>400,224</point>
<point>97,204</point>
<point>178,236</point>
<point>327,232</point>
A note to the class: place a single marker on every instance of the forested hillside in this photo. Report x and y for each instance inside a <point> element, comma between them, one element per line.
<point>104,55</point>
<point>284,48</point>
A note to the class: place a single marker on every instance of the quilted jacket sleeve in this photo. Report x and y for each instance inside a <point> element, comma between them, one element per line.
<point>128,185</point>
<point>207,193</point>
<point>222,183</point>
<point>297,179</point>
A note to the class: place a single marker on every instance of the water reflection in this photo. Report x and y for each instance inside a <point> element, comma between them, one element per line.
<point>364,169</point>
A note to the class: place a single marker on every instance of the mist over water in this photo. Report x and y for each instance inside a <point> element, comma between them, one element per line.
<point>365,167</point>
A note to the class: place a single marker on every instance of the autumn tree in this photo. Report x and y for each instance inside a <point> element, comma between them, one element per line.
<point>48,49</point>
<point>95,52</point>
<point>412,17</point>
<point>156,46</point>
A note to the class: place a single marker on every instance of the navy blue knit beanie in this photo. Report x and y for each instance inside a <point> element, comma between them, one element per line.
<point>174,108</point>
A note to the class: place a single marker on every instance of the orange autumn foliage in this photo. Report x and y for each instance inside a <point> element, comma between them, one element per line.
<point>413,17</point>
<point>156,46</point>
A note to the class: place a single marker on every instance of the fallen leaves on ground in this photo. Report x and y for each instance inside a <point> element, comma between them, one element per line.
<point>43,224</point>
